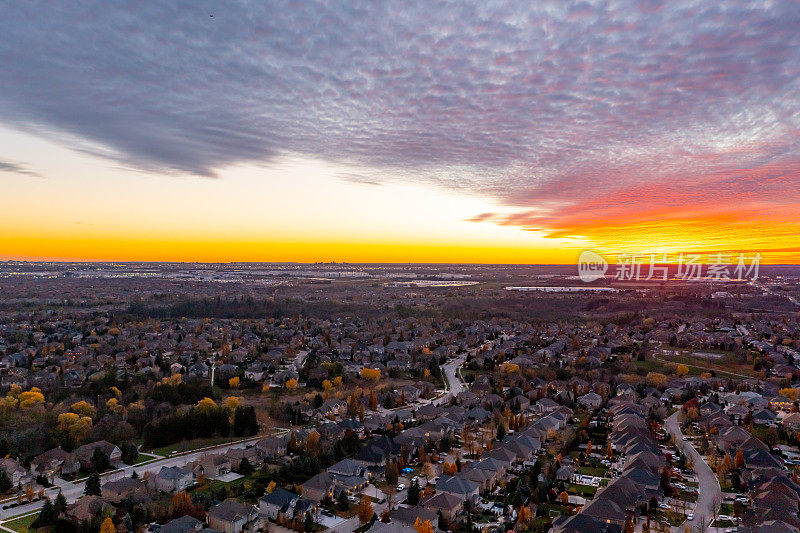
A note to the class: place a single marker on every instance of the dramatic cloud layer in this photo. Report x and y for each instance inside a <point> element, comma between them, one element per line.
<point>573,113</point>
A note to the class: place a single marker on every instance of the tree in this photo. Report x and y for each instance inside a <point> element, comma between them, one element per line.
<point>130,453</point>
<point>292,445</point>
<point>291,384</point>
<point>341,501</point>
<point>312,443</point>
<point>364,510</point>
<point>245,468</point>
<point>5,482</point>
<point>501,432</point>
<point>234,382</point>
<point>372,374</point>
<point>682,370</point>
<point>739,461</point>
<point>413,493</point>
<point>392,474</point>
<point>84,408</point>
<point>100,461</point>
<point>47,515</point>
<point>524,514</point>
<point>656,379</point>
<point>564,497</point>
<point>61,503</point>
<point>271,487</point>
<point>423,526</point>
<point>30,398</point>
<point>92,487</point>
<point>245,421</point>
<point>107,526</point>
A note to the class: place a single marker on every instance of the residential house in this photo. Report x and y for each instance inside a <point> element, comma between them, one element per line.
<point>232,516</point>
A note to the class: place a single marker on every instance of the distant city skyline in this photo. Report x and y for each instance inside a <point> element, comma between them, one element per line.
<point>464,132</point>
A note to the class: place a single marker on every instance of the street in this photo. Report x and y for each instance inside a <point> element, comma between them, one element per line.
<point>73,491</point>
<point>709,493</point>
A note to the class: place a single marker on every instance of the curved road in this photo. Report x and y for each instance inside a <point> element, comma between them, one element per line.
<point>709,493</point>
<point>454,383</point>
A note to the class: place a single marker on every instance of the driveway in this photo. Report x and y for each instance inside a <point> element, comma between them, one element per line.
<point>709,491</point>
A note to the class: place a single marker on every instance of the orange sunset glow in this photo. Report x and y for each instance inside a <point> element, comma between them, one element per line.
<point>377,133</point>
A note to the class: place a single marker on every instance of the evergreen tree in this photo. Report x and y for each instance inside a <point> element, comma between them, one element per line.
<point>413,493</point>
<point>100,461</point>
<point>245,468</point>
<point>5,482</point>
<point>47,515</point>
<point>308,524</point>
<point>92,485</point>
<point>61,503</point>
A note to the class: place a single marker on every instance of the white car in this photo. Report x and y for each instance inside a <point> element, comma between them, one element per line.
<point>400,487</point>
<point>663,506</point>
<point>690,517</point>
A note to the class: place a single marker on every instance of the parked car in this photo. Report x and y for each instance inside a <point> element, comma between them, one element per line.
<point>400,487</point>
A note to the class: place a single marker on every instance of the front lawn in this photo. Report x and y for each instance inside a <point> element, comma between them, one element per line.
<point>587,491</point>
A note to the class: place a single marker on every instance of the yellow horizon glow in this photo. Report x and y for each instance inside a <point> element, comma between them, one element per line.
<point>295,209</point>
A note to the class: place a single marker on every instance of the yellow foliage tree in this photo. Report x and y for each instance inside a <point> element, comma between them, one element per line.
<point>423,526</point>
<point>372,374</point>
<point>789,392</point>
<point>84,408</point>
<point>107,526</point>
<point>312,443</point>
<point>232,402</point>
<point>113,405</point>
<point>656,379</point>
<point>291,384</point>
<point>682,370</point>
<point>234,382</point>
<point>337,381</point>
<point>76,426</point>
<point>364,510</point>
<point>206,404</point>
<point>31,398</point>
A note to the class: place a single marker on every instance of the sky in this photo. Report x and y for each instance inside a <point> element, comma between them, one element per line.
<point>486,132</point>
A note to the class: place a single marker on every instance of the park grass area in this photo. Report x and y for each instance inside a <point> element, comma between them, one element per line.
<point>22,524</point>
<point>191,445</point>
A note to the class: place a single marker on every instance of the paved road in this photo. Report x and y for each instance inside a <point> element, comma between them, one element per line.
<point>73,491</point>
<point>709,492</point>
<point>454,383</point>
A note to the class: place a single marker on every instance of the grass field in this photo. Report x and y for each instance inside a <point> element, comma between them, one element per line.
<point>21,525</point>
<point>194,444</point>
